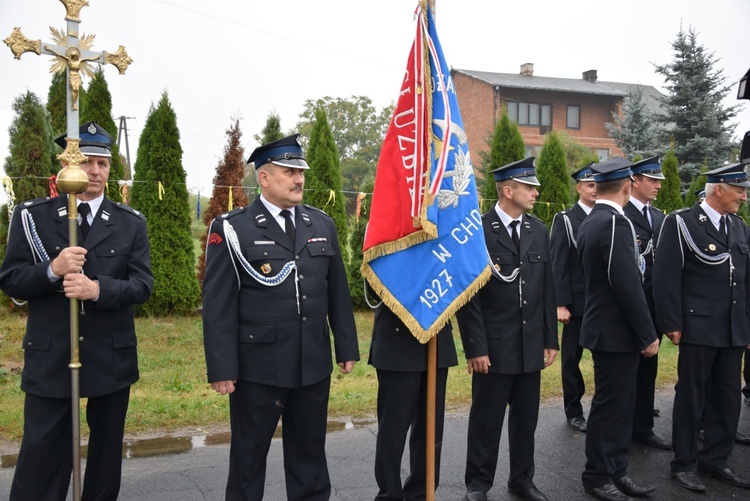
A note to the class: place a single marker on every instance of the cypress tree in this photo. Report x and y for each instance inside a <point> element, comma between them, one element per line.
<point>669,198</point>
<point>323,180</point>
<point>552,172</point>
<point>229,172</point>
<point>99,109</point>
<point>357,283</point>
<point>271,132</point>
<point>159,163</point>
<point>29,164</point>
<point>506,146</point>
<point>57,104</point>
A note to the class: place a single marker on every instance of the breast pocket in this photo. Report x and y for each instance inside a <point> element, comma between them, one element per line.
<point>112,259</point>
<point>503,262</point>
<point>267,259</point>
<point>537,260</point>
<point>321,254</point>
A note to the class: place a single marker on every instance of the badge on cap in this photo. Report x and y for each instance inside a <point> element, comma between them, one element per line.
<point>92,128</point>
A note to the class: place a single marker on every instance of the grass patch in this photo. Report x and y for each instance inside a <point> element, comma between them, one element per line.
<point>172,393</point>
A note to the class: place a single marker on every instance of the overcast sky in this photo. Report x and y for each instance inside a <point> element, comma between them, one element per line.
<point>249,58</point>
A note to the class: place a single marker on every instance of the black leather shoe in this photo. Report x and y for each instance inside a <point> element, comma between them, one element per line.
<point>741,439</point>
<point>476,496</point>
<point>629,487</point>
<point>577,423</point>
<point>655,441</point>
<point>608,492</point>
<point>688,480</point>
<point>728,476</point>
<point>530,494</point>
<point>701,435</point>
<point>657,412</point>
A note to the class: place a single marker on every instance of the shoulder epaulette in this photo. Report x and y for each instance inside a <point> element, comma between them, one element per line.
<point>739,218</point>
<point>35,202</point>
<point>533,216</point>
<point>315,209</point>
<point>232,213</point>
<point>128,209</point>
<point>677,211</point>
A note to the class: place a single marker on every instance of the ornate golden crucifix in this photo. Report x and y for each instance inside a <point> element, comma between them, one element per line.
<point>72,54</point>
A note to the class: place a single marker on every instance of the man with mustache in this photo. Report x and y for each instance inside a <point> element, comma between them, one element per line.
<point>275,282</point>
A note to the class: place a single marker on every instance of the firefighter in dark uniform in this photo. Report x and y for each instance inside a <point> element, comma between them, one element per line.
<point>108,272</point>
<point>616,327</point>
<point>520,331</point>
<point>275,282</point>
<point>647,222</point>
<point>701,283</point>
<point>569,292</point>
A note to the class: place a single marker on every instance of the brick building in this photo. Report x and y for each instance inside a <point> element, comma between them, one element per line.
<point>541,104</point>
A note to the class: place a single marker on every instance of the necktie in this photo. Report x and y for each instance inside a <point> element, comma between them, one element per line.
<point>723,226</point>
<point>645,214</point>
<point>84,209</point>
<point>288,224</point>
<point>514,235</point>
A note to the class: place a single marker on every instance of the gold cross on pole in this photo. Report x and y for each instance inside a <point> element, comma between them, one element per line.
<point>72,54</point>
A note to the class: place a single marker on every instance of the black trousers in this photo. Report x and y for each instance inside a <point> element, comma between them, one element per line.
<point>572,379</point>
<point>491,394</point>
<point>402,404</point>
<point>746,375</point>
<point>611,417</point>
<point>707,384</point>
<point>254,411</point>
<point>45,461</point>
<point>643,416</point>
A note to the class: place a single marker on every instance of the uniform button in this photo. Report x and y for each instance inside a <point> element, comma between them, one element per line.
<point>521,262</point>
<point>734,284</point>
<point>296,257</point>
<point>250,336</point>
<point>734,302</point>
<point>524,322</point>
<point>523,282</point>
<point>265,253</point>
<point>57,248</point>
<point>81,339</point>
<point>524,302</point>
<point>304,298</point>
<point>304,319</point>
<point>323,249</point>
<point>301,277</point>
<point>28,343</point>
<point>397,329</point>
<point>112,251</point>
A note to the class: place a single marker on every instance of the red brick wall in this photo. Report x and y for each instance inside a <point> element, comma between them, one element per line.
<point>480,109</point>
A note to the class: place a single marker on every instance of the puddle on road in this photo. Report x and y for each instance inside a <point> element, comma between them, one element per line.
<point>169,445</point>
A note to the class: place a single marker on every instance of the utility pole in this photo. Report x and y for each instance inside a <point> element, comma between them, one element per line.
<point>124,126</point>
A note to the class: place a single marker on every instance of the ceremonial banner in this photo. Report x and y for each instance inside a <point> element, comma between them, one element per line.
<point>424,250</point>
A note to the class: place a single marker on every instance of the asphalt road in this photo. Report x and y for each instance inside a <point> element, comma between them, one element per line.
<point>200,473</point>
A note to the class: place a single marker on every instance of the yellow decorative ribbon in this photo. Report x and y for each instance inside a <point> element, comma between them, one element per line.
<point>8,186</point>
<point>161,190</point>
<point>230,205</point>
<point>331,198</point>
<point>124,190</point>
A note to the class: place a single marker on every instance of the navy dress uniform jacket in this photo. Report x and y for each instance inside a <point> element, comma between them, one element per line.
<point>696,298</point>
<point>118,257</point>
<point>645,234</point>
<point>516,329</point>
<point>278,336</point>
<point>569,286</point>
<point>394,348</point>
<point>616,314</point>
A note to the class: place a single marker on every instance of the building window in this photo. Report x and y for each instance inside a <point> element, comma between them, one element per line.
<point>603,155</point>
<point>530,113</point>
<point>574,117</point>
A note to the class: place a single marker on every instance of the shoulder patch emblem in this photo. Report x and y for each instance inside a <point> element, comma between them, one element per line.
<point>214,239</point>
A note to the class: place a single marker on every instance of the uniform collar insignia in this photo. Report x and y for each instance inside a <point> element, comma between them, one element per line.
<point>260,218</point>
<point>495,225</point>
<point>105,215</point>
<point>702,218</point>
<point>305,218</point>
<point>62,211</point>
